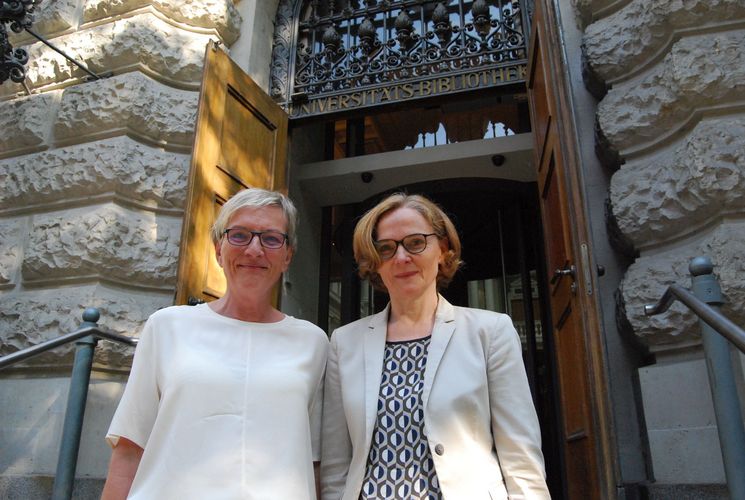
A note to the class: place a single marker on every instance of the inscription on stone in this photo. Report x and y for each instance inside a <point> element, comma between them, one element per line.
<point>305,106</point>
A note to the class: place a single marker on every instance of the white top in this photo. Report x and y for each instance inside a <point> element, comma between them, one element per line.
<point>223,408</point>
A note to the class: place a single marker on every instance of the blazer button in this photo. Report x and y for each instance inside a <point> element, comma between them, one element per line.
<point>439,449</point>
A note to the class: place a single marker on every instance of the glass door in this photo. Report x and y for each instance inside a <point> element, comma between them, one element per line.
<point>500,229</point>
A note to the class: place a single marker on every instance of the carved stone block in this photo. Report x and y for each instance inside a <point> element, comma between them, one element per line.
<point>50,16</point>
<point>131,102</point>
<point>104,242</point>
<point>26,122</point>
<point>120,166</point>
<point>647,279</point>
<point>33,316</point>
<point>699,72</point>
<point>11,247</point>
<point>219,14</point>
<point>682,189</point>
<point>143,41</point>
<point>633,36</point>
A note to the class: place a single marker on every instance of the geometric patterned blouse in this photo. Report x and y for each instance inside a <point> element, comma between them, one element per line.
<point>400,463</point>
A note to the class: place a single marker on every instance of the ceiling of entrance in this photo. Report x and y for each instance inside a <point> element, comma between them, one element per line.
<point>351,180</point>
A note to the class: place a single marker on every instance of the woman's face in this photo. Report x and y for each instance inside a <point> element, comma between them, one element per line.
<point>253,268</point>
<point>409,275</point>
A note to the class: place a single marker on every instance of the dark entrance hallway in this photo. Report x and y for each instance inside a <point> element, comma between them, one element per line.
<point>500,229</point>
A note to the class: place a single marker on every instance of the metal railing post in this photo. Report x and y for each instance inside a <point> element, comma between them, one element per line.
<point>76,399</point>
<point>721,380</point>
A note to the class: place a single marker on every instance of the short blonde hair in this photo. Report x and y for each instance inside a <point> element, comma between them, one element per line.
<point>367,257</point>
<point>256,197</point>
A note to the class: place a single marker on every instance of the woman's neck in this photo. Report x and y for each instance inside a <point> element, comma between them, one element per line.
<point>256,310</point>
<point>412,319</point>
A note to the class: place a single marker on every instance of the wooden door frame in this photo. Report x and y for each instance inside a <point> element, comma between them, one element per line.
<point>582,248</point>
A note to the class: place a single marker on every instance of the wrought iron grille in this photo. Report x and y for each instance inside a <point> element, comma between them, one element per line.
<point>18,15</point>
<point>349,45</point>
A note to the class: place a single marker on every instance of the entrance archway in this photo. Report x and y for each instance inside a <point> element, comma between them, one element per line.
<point>586,447</point>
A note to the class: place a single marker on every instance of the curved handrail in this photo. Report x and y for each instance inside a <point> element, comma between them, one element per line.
<point>708,314</point>
<point>35,350</point>
<point>704,300</point>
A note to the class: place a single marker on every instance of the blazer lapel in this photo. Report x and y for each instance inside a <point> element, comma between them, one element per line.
<point>441,334</point>
<point>374,353</point>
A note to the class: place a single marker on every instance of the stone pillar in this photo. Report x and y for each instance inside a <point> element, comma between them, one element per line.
<point>670,77</point>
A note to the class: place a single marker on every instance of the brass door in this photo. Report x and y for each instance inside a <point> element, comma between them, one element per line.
<point>575,330</point>
<point>240,142</point>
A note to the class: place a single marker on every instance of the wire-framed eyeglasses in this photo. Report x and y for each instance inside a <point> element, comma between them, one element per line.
<point>243,237</point>
<point>412,243</point>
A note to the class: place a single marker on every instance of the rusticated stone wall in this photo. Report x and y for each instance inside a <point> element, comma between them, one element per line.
<point>94,173</point>
<point>669,76</point>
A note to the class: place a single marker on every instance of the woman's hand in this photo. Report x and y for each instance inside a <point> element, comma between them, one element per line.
<point>124,462</point>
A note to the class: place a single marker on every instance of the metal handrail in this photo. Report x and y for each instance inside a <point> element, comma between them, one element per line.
<point>35,350</point>
<point>86,337</point>
<point>723,325</point>
<point>716,329</point>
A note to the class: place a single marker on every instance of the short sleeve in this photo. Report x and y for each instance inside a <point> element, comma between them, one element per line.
<point>135,416</point>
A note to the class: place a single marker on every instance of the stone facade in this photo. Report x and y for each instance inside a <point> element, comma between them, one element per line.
<point>673,117</point>
<point>94,172</point>
<point>670,125</point>
<point>94,180</point>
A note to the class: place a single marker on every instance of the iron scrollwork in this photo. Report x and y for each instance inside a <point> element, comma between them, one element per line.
<point>339,47</point>
<point>18,14</point>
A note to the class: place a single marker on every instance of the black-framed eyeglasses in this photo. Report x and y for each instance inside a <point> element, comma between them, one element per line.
<point>243,237</point>
<point>412,243</point>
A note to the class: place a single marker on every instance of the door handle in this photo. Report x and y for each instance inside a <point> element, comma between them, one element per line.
<point>567,271</point>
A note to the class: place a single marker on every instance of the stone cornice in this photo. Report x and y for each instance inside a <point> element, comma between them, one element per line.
<point>591,10</point>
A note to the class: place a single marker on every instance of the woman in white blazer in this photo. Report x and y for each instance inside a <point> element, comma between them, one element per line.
<point>425,399</point>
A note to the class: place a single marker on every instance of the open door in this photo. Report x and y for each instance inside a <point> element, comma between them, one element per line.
<point>587,459</point>
<point>240,142</point>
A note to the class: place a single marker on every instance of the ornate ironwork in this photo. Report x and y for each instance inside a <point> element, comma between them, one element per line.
<point>18,14</point>
<point>346,47</point>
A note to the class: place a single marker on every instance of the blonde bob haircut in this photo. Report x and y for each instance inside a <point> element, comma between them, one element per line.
<point>256,198</point>
<point>366,255</point>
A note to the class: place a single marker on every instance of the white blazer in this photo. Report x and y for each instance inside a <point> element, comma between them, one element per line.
<point>479,417</point>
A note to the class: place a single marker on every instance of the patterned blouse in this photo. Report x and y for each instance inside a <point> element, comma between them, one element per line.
<point>400,464</point>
